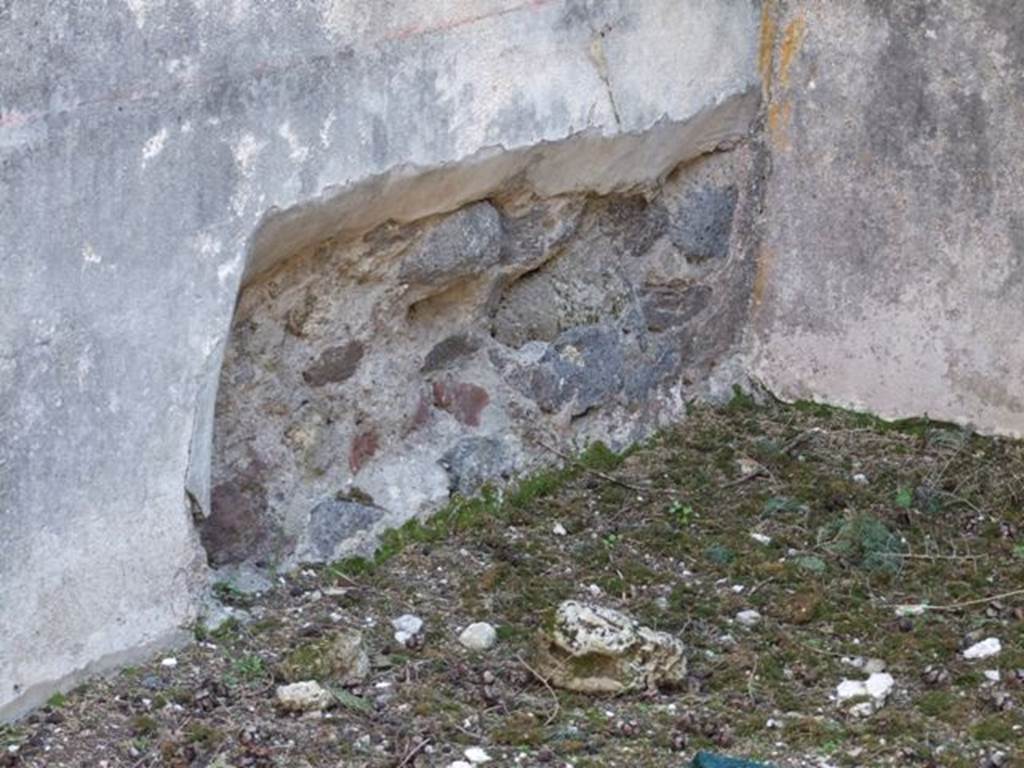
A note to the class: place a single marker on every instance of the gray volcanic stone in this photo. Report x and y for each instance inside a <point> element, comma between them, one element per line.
<point>450,350</point>
<point>667,307</point>
<point>584,366</point>
<point>703,223</point>
<point>334,365</point>
<point>475,460</point>
<point>335,521</point>
<point>464,244</point>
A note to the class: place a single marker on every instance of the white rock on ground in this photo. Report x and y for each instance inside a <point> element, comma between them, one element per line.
<point>592,649</point>
<point>990,646</point>
<point>307,696</point>
<point>406,628</point>
<point>476,755</point>
<point>875,689</point>
<point>479,636</point>
<point>559,530</point>
<point>748,618</point>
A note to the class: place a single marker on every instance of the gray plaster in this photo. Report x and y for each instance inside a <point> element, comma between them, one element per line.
<point>891,255</point>
<point>154,153</point>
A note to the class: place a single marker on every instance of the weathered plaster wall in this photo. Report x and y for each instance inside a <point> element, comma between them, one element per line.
<point>154,151</point>
<point>892,267</point>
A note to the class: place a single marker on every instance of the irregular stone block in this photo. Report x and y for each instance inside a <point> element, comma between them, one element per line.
<point>462,400</point>
<point>670,307</point>
<point>335,521</point>
<point>702,224</point>
<point>450,350</point>
<point>364,447</point>
<point>475,460</point>
<point>339,657</point>
<point>592,649</point>
<point>335,365</point>
<point>464,244</point>
<point>583,367</point>
<point>239,527</point>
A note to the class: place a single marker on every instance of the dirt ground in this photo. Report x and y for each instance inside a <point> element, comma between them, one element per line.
<point>823,522</point>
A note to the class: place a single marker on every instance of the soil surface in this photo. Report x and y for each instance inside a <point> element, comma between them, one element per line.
<point>821,521</point>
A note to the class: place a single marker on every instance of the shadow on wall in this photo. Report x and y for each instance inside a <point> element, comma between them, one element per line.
<point>368,378</point>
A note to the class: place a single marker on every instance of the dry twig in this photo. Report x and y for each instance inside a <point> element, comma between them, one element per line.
<point>543,680</point>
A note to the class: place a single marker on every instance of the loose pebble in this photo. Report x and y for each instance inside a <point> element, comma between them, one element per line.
<point>876,689</point>
<point>479,636</point>
<point>476,755</point>
<point>406,628</point>
<point>988,647</point>
<point>748,618</point>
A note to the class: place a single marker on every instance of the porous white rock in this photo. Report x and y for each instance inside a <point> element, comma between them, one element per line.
<point>592,649</point>
<point>306,696</point>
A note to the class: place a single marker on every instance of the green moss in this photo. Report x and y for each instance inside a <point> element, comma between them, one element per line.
<point>203,735</point>
<point>600,457</point>
<point>936,703</point>
<point>144,725</point>
<point>996,728</point>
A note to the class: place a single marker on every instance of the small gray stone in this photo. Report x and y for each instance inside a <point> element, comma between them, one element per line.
<point>334,365</point>
<point>479,636</point>
<point>407,628</point>
<point>748,618</point>
<point>450,350</point>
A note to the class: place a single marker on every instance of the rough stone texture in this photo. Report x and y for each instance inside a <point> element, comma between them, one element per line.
<point>151,154</point>
<point>305,696</point>
<point>894,243</point>
<point>592,649</point>
<point>590,322</point>
<point>339,658</point>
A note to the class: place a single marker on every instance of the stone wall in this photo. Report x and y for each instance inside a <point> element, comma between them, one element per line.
<point>367,380</point>
<point>155,152</point>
